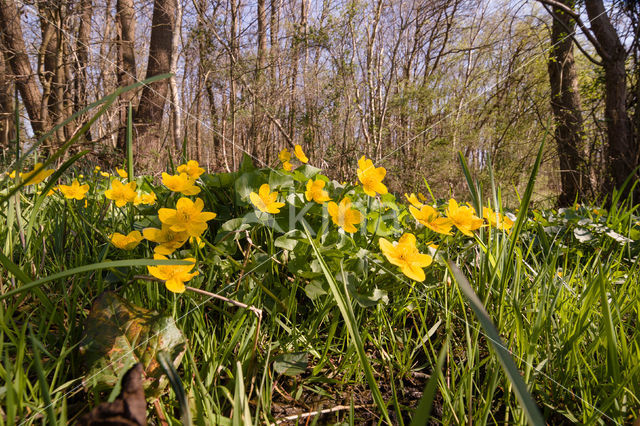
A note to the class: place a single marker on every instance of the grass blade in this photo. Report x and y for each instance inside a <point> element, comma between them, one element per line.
<point>42,380</point>
<point>423,413</point>
<point>350,320</point>
<point>29,285</point>
<point>176,385</point>
<point>508,365</point>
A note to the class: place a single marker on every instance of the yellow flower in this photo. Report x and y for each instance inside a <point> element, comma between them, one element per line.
<point>105,174</point>
<point>287,166</point>
<point>497,220</point>
<point>196,241</point>
<point>174,276</point>
<point>51,191</point>
<point>192,168</point>
<point>413,200</point>
<point>121,194</point>
<point>429,217</point>
<point>96,169</point>
<point>371,177</point>
<point>315,192</point>
<point>126,242</point>
<point>284,156</point>
<point>300,154</point>
<point>145,199</point>
<point>75,190</point>
<point>422,197</point>
<point>168,240</point>
<point>12,175</point>
<point>182,183</point>
<point>37,175</point>
<point>265,200</point>
<point>405,254</point>
<point>463,217</point>
<point>186,217</point>
<point>122,173</point>
<point>344,216</point>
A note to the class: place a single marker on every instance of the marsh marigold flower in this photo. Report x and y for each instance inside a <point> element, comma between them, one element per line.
<point>168,240</point>
<point>316,192</point>
<point>122,173</point>
<point>37,175</point>
<point>285,158</point>
<point>299,153</point>
<point>284,155</point>
<point>182,183</point>
<point>344,216</point>
<point>75,190</point>
<point>265,200</point>
<point>121,194</point>
<point>174,276</point>
<point>186,217</point>
<point>413,200</point>
<point>405,255</point>
<point>463,217</point>
<point>192,169</point>
<point>371,177</point>
<point>429,217</point>
<point>497,220</point>
<point>126,242</point>
<point>149,198</point>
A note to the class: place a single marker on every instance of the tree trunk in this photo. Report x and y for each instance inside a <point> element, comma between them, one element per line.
<point>82,57</point>
<point>126,24</point>
<point>565,103</point>
<point>622,153</point>
<point>148,117</point>
<point>11,33</point>
<point>255,133</point>
<point>6,106</point>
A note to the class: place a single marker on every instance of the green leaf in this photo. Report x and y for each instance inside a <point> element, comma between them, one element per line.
<point>315,289</point>
<point>247,183</point>
<point>247,163</point>
<point>119,334</point>
<point>583,235</point>
<point>306,172</point>
<point>292,364</point>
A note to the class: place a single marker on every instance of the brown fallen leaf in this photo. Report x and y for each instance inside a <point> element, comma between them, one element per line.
<point>128,409</point>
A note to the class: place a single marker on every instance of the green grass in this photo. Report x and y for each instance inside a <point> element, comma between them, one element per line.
<point>540,321</point>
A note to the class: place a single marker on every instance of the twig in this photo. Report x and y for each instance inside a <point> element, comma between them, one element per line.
<point>319,412</point>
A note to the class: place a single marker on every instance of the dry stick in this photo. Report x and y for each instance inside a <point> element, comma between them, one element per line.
<point>256,311</point>
<point>318,412</point>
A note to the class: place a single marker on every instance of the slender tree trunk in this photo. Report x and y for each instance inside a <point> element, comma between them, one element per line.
<point>6,106</point>
<point>82,56</point>
<point>255,133</point>
<point>148,117</point>
<point>11,33</point>
<point>175,98</point>
<point>565,103</point>
<point>622,152</point>
<point>232,78</point>
<point>126,73</point>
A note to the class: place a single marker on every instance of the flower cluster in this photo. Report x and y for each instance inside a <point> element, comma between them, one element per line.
<point>187,221</point>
